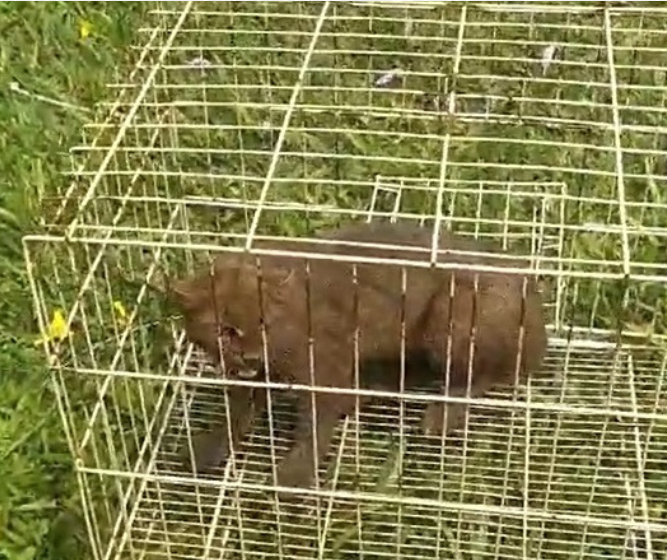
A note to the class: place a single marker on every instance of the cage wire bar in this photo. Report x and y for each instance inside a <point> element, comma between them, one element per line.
<point>539,125</point>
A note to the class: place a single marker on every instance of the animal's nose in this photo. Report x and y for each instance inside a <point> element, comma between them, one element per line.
<point>252,366</point>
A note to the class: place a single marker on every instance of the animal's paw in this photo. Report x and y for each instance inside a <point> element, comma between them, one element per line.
<point>295,472</point>
<point>210,450</point>
<point>434,422</point>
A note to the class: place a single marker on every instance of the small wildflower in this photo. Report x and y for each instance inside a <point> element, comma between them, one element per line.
<point>85,28</point>
<point>57,330</point>
<point>121,313</point>
<point>199,62</point>
<point>388,78</point>
<point>548,54</point>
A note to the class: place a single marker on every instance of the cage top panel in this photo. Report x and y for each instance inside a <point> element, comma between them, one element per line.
<point>541,125</point>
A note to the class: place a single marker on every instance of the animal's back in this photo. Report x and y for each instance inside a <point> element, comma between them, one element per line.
<point>420,305</point>
<point>328,304</point>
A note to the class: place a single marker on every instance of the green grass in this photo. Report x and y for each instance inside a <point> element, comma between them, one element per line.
<point>41,50</point>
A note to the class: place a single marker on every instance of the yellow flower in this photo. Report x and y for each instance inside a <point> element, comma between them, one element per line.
<point>57,330</point>
<point>121,313</point>
<point>85,28</point>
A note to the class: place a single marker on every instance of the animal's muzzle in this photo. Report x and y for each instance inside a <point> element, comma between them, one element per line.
<point>252,366</point>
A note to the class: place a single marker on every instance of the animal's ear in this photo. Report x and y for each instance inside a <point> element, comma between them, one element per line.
<point>182,294</point>
<point>226,262</point>
<point>190,293</point>
<point>176,291</point>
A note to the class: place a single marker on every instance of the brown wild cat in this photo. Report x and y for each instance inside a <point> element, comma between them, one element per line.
<point>222,316</point>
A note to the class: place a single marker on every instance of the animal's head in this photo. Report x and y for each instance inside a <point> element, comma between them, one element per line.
<point>221,312</point>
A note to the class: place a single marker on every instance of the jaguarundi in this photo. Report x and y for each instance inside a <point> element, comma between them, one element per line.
<point>325,303</point>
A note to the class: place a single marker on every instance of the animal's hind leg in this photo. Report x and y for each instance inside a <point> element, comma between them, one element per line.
<point>442,417</point>
<point>453,354</point>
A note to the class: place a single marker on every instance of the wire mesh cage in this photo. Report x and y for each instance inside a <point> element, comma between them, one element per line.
<point>536,126</point>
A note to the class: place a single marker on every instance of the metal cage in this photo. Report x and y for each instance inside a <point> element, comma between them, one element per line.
<point>538,125</point>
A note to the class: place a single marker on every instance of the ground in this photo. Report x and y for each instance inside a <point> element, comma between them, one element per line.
<point>66,51</point>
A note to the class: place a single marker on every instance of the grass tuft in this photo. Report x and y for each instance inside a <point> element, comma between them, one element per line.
<point>42,51</point>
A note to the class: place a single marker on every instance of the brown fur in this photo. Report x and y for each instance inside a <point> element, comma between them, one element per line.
<point>428,311</point>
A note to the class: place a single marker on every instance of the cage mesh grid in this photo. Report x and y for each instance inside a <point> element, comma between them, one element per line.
<point>536,124</point>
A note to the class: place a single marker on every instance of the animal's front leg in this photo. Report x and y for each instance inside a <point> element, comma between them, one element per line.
<point>297,469</point>
<point>436,422</point>
<point>212,447</point>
